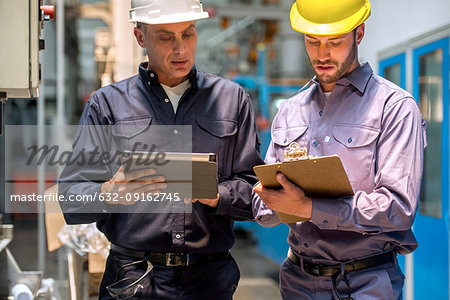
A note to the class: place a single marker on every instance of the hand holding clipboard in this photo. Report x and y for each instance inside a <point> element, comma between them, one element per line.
<point>323,177</point>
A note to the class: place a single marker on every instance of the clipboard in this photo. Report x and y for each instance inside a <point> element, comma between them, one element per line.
<point>321,177</point>
<point>191,175</point>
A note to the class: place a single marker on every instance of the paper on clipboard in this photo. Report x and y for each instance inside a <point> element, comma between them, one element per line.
<point>323,177</point>
<point>192,175</point>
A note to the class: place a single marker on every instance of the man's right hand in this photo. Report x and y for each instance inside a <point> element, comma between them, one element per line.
<point>289,200</point>
<point>142,181</point>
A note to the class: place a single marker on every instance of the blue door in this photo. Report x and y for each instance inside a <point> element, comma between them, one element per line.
<point>431,89</point>
<point>429,265</point>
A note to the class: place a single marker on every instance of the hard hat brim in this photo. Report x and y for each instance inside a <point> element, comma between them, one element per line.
<point>170,19</point>
<point>300,24</point>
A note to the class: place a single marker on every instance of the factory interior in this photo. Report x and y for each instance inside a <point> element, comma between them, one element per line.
<point>89,44</point>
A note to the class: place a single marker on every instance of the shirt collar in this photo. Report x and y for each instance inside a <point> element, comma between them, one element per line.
<point>359,77</point>
<point>150,78</point>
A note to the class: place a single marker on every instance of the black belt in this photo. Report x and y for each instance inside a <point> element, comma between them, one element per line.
<point>334,271</point>
<point>171,259</point>
<point>317,269</point>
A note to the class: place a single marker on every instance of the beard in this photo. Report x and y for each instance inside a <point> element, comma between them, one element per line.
<point>341,69</point>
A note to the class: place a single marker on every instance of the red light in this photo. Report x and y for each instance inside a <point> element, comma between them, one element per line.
<point>49,12</point>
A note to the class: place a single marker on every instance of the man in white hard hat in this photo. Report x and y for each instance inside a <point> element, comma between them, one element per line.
<point>347,247</point>
<point>172,255</point>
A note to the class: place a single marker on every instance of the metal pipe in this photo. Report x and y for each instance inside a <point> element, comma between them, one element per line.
<point>409,272</point>
<point>268,12</point>
<point>60,102</point>
<point>230,32</point>
<point>71,266</point>
<point>409,259</point>
<point>60,91</point>
<point>123,41</point>
<point>41,178</point>
<point>60,45</point>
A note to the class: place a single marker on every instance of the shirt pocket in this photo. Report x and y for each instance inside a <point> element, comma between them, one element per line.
<point>282,137</point>
<point>357,151</point>
<point>132,134</point>
<point>216,136</point>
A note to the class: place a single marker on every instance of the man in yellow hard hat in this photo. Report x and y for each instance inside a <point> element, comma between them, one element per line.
<point>347,248</point>
<point>162,248</point>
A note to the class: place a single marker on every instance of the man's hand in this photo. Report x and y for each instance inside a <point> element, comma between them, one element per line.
<point>290,199</point>
<point>210,202</point>
<point>135,182</point>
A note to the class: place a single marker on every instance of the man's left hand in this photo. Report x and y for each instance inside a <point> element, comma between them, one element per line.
<point>290,199</point>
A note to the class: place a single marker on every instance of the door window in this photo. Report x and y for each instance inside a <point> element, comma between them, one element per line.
<point>431,106</point>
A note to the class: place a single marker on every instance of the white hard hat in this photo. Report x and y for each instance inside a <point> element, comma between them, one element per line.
<point>166,11</point>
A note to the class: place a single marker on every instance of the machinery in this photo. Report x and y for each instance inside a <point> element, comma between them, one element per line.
<point>21,22</point>
<point>20,284</point>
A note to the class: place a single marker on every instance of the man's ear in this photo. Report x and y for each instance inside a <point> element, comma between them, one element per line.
<point>360,33</point>
<point>139,34</point>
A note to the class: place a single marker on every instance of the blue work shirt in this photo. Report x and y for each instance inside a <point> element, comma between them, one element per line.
<point>221,115</point>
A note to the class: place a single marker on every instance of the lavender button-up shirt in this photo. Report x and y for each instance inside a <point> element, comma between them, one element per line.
<point>378,132</point>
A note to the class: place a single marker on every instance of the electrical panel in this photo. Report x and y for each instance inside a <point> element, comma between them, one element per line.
<point>21,22</point>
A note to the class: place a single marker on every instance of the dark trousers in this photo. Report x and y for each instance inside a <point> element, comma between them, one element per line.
<point>384,282</point>
<point>212,280</point>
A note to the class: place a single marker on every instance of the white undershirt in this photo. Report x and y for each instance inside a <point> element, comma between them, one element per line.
<point>327,95</point>
<point>175,93</point>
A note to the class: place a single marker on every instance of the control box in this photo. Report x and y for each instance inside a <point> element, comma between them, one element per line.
<point>21,22</point>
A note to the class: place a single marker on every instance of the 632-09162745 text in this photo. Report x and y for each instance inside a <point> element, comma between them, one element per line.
<point>104,197</point>
<point>144,197</point>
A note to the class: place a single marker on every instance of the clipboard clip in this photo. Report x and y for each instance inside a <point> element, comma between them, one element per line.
<point>295,152</point>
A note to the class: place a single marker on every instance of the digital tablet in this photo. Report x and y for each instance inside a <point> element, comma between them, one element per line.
<point>191,175</point>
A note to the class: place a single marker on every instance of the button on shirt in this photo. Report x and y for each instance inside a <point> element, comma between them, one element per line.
<point>378,132</point>
<point>221,115</point>
<point>175,93</point>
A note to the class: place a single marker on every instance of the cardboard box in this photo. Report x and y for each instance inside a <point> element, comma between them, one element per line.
<point>54,221</point>
<point>94,283</point>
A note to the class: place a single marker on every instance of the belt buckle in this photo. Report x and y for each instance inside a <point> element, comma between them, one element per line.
<point>175,260</point>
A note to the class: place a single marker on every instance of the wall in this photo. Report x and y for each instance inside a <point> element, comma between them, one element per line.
<point>396,21</point>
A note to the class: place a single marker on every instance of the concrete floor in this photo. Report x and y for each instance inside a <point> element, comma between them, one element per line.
<point>259,275</point>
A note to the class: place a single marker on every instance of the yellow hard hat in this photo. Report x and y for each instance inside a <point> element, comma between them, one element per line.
<point>328,17</point>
